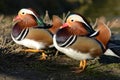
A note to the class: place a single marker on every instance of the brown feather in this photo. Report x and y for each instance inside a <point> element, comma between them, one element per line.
<point>40,35</point>
<point>27,21</point>
<point>57,23</point>
<point>87,45</point>
<point>76,29</point>
<point>104,32</point>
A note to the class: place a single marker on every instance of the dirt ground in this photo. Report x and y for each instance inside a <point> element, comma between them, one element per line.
<point>24,67</point>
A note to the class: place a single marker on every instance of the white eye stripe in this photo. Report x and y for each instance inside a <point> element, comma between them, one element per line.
<point>77,18</point>
<point>27,11</point>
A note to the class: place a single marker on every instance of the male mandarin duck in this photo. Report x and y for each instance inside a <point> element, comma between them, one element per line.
<point>78,40</point>
<point>29,31</point>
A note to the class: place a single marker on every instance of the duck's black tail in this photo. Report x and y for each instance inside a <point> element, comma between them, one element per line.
<point>114,46</point>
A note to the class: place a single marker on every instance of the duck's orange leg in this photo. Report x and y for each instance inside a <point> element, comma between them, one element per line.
<point>43,56</point>
<point>81,67</point>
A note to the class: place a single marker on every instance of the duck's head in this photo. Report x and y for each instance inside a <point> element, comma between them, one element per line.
<point>28,18</point>
<point>78,24</point>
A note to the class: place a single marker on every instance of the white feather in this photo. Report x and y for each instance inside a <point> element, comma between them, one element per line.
<point>28,12</point>
<point>77,18</point>
<point>110,53</point>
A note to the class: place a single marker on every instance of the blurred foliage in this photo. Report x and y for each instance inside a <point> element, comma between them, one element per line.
<point>107,8</point>
<point>53,6</point>
<point>89,8</point>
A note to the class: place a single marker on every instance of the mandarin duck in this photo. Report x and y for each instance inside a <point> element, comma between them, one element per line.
<point>77,39</point>
<point>30,31</point>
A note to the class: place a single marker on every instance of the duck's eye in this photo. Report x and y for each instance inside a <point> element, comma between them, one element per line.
<point>72,20</point>
<point>23,12</point>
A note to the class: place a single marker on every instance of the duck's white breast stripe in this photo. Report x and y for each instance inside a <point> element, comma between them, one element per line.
<point>69,41</point>
<point>23,34</point>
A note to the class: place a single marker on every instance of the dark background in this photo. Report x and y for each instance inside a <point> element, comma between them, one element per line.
<point>89,8</point>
